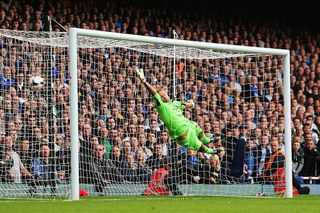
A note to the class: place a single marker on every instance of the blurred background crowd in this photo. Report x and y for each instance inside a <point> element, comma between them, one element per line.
<point>122,138</point>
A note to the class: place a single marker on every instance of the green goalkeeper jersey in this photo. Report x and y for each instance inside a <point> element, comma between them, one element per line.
<point>172,116</point>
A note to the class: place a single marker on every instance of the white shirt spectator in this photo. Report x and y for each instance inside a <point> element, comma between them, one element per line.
<point>15,169</point>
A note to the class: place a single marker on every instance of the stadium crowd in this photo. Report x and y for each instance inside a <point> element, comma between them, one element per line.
<point>122,139</point>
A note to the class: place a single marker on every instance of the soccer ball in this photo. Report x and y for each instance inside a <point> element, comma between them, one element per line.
<point>36,83</point>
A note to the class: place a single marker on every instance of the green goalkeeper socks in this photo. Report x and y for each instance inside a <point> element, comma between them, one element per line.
<point>209,150</point>
<point>204,139</point>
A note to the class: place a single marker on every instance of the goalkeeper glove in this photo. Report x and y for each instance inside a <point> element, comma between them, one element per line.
<point>191,102</point>
<point>218,150</point>
<point>140,75</point>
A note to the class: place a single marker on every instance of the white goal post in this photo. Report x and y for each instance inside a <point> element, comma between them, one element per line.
<point>74,35</point>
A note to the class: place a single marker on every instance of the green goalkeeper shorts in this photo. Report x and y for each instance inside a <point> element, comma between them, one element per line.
<point>196,127</point>
<point>191,141</point>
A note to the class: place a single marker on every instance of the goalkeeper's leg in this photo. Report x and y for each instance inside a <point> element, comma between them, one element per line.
<point>201,136</point>
<point>190,140</point>
<point>207,150</point>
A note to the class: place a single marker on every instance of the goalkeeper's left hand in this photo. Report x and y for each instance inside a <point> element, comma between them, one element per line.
<point>190,104</point>
<point>218,150</point>
<point>140,75</point>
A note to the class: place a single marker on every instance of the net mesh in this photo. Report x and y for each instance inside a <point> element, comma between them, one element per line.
<point>123,142</point>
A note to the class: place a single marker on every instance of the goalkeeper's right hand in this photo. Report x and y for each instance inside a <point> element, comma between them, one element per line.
<point>140,75</point>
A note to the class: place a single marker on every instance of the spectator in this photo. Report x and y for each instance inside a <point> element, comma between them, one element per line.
<point>6,80</point>
<point>257,135</point>
<point>311,157</point>
<point>157,160</point>
<point>151,141</point>
<point>25,154</point>
<point>140,158</point>
<point>42,168</point>
<point>190,167</point>
<point>133,172</point>
<point>211,174</point>
<point>274,170</point>
<point>106,171</point>
<point>297,158</point>
<point>307,130</point>
<point>264,153</point>
<point>11,165</point>
<point>215,166</point>
<point>250,160</point>
<point>104,140</point>
<point>230,146</point>
<point>116,157</point>
<point>167,145</point>
<point>142,142</point>
<point>134,144</point>
<point>127,149</point>
<point>64,162</point>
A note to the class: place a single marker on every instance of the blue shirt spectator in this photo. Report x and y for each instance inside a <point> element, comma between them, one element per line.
<point>41,167</point>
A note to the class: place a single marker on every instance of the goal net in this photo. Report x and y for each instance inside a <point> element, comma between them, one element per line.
<point>123,144</point>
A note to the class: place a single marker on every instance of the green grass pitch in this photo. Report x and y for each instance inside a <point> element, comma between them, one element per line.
<point>308,203</point>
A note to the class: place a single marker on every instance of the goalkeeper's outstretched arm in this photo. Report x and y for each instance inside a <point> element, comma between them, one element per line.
<point>149,87</point>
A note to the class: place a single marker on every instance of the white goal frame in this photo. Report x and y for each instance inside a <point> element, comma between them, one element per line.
<point>73,46</point>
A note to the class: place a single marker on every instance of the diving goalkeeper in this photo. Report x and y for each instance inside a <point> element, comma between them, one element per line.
<point>185,132</point>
